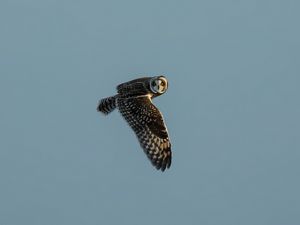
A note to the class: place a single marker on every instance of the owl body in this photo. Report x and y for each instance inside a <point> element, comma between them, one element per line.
<point>134,102</point>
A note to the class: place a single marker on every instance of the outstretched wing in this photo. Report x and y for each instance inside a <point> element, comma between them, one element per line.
<point>132,88</point>
<point>148,124</point>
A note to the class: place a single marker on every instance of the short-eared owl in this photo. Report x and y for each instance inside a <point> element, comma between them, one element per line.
<point>134,101</point>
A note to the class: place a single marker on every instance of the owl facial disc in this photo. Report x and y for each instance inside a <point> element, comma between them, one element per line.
<point>158,84</point>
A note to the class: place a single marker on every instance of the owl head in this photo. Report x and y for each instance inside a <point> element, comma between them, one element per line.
<point>158,85</point>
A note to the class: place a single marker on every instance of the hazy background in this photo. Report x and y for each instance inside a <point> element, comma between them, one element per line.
<point>232,109</point>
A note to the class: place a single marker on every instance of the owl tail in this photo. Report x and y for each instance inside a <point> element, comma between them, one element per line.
<point>107,105</point>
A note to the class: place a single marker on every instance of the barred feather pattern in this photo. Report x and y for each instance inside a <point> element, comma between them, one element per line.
<point>148,124</point>
<point>107,105</point>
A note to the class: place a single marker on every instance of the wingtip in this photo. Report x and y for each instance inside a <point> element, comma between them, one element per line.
<point>161,164</point>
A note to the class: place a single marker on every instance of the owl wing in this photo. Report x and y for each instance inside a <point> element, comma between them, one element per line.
<point>132,88</point>
<point>136,83</point>
<point>148,124</point>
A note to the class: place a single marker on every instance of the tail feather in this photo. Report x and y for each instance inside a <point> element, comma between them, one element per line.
<point>107,105</point>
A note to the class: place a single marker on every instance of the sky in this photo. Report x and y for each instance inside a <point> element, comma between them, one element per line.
<point>232,110</point>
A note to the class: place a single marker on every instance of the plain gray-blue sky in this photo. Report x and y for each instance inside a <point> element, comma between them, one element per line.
<point>232,109</point>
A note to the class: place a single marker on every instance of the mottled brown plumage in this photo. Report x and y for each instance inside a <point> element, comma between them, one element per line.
<point>134,101</point>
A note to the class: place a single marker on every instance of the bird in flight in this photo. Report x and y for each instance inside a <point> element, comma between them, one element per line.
<point>134,102</point>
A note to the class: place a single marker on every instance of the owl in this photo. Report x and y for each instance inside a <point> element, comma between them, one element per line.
<point>134,102</point>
